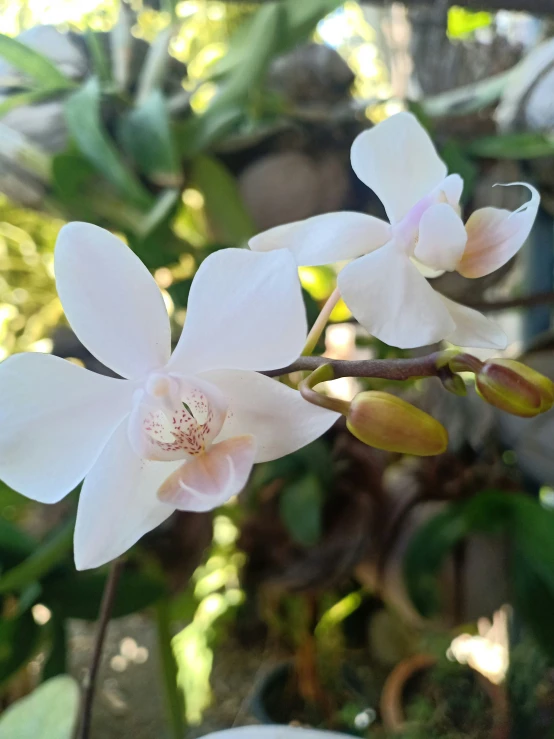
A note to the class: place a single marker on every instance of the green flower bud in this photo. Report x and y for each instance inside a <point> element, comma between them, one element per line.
<point>515,388</point>
<point>386,422</point>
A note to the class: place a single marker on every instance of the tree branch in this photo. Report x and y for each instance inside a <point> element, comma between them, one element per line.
<point>386,369</point>
<point>108,598</point>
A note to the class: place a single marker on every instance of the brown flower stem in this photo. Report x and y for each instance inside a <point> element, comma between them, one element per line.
<point>386,369</point>
<point>89,690</point>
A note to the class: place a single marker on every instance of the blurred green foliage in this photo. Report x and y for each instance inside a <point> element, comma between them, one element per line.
<point>164,91</point>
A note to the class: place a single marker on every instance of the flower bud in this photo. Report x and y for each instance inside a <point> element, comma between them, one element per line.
<point>515,388</point>
<point>386,422</point>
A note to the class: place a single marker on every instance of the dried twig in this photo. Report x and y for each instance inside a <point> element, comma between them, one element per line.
<point>106,607</point>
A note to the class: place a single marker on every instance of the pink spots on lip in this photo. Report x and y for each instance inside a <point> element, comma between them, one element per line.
<point>185,432</point>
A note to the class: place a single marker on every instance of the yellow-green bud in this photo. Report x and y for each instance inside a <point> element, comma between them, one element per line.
<point>386,422</point>
<point>515,388</point>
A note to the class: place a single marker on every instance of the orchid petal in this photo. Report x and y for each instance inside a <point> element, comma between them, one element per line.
<point>442,238</point>
<point>473,328</point>
<point>495,235</point>
<point>55,418</point>
<point>278,417</point>
<point>118,502</point>
<point>398,161</point>
<point>211,478</point>
<point>111,300</point>
<point>245,311</point>
<point>393,301</point>
<point>324,239</point>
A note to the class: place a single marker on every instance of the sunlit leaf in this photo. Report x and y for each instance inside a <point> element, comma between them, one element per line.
<point>82,113</point>
<point>50,712</point>
<point>33,64</point>
<point>226,212</point>
<point>262,39</point>
<point>146,135</point>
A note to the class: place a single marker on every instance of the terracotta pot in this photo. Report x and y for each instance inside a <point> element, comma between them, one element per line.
<point>392,697</point>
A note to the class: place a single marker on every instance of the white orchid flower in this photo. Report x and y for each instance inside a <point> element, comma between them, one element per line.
<point>383,286</point>
<point>183,430</point>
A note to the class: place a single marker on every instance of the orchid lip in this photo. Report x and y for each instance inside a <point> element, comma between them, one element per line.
<point>174,417</point>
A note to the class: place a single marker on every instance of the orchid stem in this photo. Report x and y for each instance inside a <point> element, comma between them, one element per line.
<point>320,323</point>
<point>106,607</point>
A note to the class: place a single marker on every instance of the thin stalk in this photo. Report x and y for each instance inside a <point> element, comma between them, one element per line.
<point>108,598</point>
<point>173,696</point>
<point>320,323</point>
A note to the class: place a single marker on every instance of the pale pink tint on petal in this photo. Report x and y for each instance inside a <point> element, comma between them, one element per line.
<point>398,161</point>
<point>393,301</point>
<point>327,238</point>
<point>168,428</point>
<point>473,329</point>
<point>495,235</point>
<point>442,238</point>
<point>210,479</point>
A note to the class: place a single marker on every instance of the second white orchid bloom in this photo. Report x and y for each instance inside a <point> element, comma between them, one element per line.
<point>383,286</point>
<point>184,429</point>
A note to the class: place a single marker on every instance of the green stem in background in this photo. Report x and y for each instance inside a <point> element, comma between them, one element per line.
<point>320,322</point>
<point>324,373</point>
<point>43,559</point>
<point>173,695</point>
<point>108,598</point>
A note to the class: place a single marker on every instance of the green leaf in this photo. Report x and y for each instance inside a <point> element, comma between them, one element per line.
<point>513,146</point>
<point>50,712</point>
<point>298,22</point>
<point>426,553</point>
<point>260,42</point>
<point>19,639</point>
<point>226,213</point>
<point>489,512</point>
<point>98,55</point>
<point>146,135</point>
<point>24,98</point>
<point>83,117</point>
<point>15,545</point>
<point>33,64</point>
<point>78,594</point>
<point>534,599</point>
<point>300,506</point>
<point>458,162</point>
<point>302,18</point>
<point>174,699</point>
<point>198,133</point>
<point>56,662</point>
<point>44,558</point>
